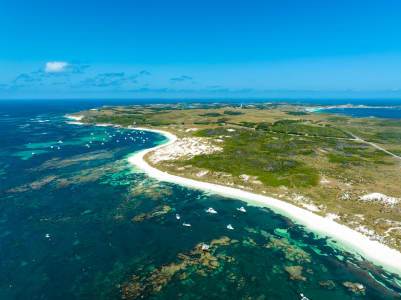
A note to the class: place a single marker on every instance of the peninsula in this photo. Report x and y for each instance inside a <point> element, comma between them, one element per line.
<point>328,166</point>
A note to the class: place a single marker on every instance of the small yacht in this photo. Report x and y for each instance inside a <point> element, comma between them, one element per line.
<point>60,142</point>
<point>177,216</point>
<point>303,297</point>
<point>186,224</point>
<point>242,209</point>
<point>229,226</point>
<point>210,210</point>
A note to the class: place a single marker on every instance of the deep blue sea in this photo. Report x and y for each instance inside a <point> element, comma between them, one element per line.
<point>367,112</point>
<point>78,222</point>
<point>377,108</point>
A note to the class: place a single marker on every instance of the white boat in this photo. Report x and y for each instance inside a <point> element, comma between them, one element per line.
<point>242,209</point>
<point>60,142</point>
<point>210,210</point>
<point>205,247</point>
<point>186,224</point>
<point>303,297</point>
<point>229,226</point>
<point>177,216</point>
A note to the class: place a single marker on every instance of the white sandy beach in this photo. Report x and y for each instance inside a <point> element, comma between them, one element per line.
<point>345,237</point>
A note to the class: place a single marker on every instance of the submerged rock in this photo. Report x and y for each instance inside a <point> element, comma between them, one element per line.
<point>197,260</point>
<point>329,284</point>
<point>292,252</point>
<point>295,272</point>
<point>354,287</point>
<point>160,210</point>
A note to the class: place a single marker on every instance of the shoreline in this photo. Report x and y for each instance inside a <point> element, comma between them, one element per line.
<point>341,236</point>
<point>345,238</point>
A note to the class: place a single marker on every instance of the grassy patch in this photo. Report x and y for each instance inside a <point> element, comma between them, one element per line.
<point>259,154</point>
<point>337,119</point>
<point>296,113</point>
<point>233,113</point>
<point>295,127</point>
<point>210,115</point>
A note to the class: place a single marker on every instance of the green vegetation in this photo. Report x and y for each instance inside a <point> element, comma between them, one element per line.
<point>393,137</point>
<point>344,159</point>
<point>233,113</point>
<point>295,127</point>
<point>128,119</point>
<point>296,113</point>
<point>337,119</point>
<point>262,155</point>
<point>210,115</point>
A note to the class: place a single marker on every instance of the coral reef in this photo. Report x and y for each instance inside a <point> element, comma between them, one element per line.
<point>197,260</point>
<point>160,210</point>
<point>295,272</point>
<point>292,252</point>
<point>355,287</point>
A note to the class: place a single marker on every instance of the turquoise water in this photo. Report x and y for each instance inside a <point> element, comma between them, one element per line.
<point>80,223</point>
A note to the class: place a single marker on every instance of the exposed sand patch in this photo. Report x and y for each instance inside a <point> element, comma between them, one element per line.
<point>202,173</point>
<point>186,147</point>
<point>191,129</point>
<point>380,198</point>
<point>311,207</point>
<point>324,181</point>
<point>332,217</point>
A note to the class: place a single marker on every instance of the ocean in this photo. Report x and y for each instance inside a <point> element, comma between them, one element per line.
<point>367,112</point>
<point>78,222</point>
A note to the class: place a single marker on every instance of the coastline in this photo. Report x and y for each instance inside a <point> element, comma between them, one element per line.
<point>344,237</point>
<point>340,236</point>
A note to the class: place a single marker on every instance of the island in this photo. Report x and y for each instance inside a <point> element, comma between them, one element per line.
<point>340,168</point>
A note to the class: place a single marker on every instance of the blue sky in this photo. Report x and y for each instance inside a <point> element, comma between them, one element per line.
<point>200,49</point>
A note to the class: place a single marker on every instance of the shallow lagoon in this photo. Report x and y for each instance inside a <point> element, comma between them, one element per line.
<point>79,223</point>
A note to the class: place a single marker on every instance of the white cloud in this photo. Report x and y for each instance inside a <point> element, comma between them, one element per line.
<point>56,66</point>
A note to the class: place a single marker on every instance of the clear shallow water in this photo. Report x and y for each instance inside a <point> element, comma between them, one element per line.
<point>79,223</point>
